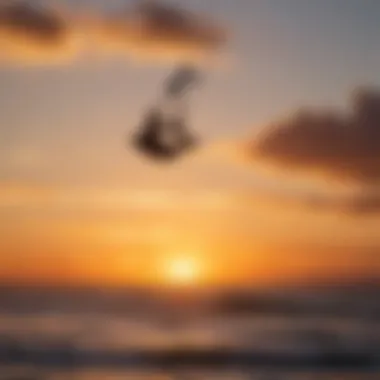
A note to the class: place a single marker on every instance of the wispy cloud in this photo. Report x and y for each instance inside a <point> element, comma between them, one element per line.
<point>35,194</point>
<point>42,34</point>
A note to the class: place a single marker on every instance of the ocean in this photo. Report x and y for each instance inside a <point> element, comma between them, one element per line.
<point>61,333</point>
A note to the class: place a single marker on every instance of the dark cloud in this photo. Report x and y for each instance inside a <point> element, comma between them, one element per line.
<point>168,24</point>
<point>30,32</point>
<point>157,30</point>
<point>21,18</point>
<point>150,29</point>
<point>344,147</point>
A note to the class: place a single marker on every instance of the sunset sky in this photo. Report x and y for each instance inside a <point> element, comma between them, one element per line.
<point>77,206</point>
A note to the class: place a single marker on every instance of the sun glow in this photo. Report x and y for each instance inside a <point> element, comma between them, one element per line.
<point>183,271</point>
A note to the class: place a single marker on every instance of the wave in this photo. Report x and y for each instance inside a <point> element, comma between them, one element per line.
<point>65,356</point>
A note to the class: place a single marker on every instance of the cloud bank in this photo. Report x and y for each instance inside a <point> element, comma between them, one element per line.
<point>342,147</point>
<point>35,33</point>
<point>345,147</point>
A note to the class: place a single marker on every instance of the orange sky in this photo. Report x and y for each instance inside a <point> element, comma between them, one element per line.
<point>121,241</point>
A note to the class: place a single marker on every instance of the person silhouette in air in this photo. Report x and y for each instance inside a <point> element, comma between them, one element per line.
<point>167,137</point>
<point>164,139</point>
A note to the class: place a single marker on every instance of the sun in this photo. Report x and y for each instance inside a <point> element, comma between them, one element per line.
<point>183,271</point>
